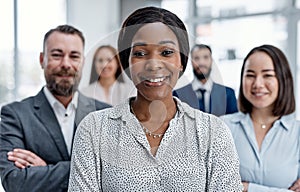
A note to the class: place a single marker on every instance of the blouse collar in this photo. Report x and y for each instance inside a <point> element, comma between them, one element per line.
<point>124,110</point>
<point>286,121</point>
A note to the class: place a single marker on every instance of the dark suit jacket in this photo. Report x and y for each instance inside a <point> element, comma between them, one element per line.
<point>222,99</point>
<point>32,125</point>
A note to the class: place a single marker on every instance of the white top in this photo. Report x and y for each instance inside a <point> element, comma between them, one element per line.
<point>118,92</point>
<point>196,84</point>
<point>65,116</point>
<point>111,153</point>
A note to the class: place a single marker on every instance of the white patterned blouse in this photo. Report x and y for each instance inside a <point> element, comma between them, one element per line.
<point>111,153</point>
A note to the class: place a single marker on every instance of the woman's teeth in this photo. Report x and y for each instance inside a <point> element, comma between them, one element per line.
<point>156,80</point>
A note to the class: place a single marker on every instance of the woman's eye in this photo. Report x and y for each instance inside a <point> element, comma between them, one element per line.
<point>100,60</point>
<point>167,52</point>
<point>249,75</point>
<point>269,75</point>
<point>139,54</point>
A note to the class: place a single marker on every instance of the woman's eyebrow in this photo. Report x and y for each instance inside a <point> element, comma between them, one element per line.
<point>139,44</point>
<point>160,43</point>
<point>267,70</point>
<point>264,70</point>
<point>167,42</point>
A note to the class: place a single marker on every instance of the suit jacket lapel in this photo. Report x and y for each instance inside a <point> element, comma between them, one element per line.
<point>188,95</point>
<point>218,100</point>
<point>85,106</point>
<point>45,114</point>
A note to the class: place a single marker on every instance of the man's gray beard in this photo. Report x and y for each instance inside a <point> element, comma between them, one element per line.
<point>63,88</point>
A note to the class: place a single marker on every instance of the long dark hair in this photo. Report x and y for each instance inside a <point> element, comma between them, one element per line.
<point>285,102</point>
<point>94,75</point>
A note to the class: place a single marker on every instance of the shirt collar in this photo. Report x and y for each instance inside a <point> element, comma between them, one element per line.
<point>196,84</point>
<point>286,121</point>
<point>52,100</point>
<point>124,108</point>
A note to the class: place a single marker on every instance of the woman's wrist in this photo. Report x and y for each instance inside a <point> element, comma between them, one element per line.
<point>245,186</point>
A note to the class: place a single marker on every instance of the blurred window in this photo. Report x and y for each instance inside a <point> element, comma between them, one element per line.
<point>23,76</point>
<point>6,50</point>
<point>220,8</point>
<point>232,39</point>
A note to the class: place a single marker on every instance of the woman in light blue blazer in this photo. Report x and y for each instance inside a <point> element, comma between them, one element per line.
<point>265,132</point>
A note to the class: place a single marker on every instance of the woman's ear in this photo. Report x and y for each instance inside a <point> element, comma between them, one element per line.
<point>180,70</point>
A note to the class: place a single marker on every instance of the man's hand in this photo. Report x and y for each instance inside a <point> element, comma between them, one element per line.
<point>295,186</point>
<point>24,158</point>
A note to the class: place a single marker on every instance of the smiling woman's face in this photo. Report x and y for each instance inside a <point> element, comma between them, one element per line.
<point>106,64</point>
<point>260,84</point>
<point>155,61</point>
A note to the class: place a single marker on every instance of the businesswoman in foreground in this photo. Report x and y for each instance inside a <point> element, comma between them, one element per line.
<point>153,142</point>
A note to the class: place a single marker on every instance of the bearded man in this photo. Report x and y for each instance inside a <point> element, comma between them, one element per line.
<point>203,93</point>
<point>36,134</point>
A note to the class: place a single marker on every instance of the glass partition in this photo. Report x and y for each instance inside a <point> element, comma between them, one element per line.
<point>29,20</point>
<point>231,40</point>
<point>219,8</point>
<point>33,22</point>
<point>7,83</point>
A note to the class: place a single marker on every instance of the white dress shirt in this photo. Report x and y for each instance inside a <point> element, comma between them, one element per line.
<point>196,84</point>
<point>65,116</point>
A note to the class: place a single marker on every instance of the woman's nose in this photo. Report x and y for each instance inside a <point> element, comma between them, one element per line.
<point>154,64</point>
<point>258,82</point>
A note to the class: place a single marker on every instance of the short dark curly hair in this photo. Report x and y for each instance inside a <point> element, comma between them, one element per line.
<point>148,15</point>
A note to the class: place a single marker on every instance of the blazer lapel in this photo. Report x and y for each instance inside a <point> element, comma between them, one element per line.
<point>188,95</point>
<point>85,106</point>
<point>218,100</point>
<point>45,114</point>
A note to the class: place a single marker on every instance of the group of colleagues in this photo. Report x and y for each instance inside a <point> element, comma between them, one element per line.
<point>156,139</point>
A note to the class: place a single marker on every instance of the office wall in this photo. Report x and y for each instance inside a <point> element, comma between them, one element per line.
<point>97,20</point>
<point>128,6</point>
